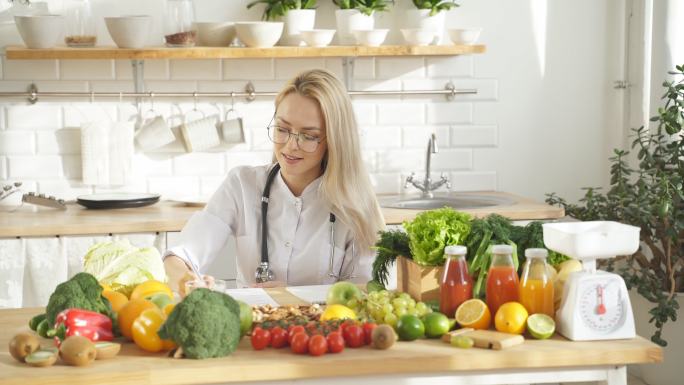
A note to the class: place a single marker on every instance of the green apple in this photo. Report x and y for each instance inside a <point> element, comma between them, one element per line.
<point>160,299</point>
<point>245,318</point>
<point>341,292</point>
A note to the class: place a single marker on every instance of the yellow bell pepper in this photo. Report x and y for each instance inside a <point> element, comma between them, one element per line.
<point>145,331</point>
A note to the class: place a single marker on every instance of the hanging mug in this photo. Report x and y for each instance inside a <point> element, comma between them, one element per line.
<point>154,132</point>
<point>199,134</point>
<point>232,130</point>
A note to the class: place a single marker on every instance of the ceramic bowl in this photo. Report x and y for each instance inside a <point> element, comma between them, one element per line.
<point>418,36</point>
<point>210,34</point>
<point>40,31</point>
<point>370,37</point>
<point>317,37</point>
<point>129,31</point>
<point>259,34</point>
<point>464,36</point>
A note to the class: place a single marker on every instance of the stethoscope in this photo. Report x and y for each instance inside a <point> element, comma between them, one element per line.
<point>263,271</point>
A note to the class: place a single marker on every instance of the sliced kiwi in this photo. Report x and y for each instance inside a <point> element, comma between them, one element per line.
<point>77,351</point>
<point>106,350</point>
<point>42,358</point>
<point>22,345</point>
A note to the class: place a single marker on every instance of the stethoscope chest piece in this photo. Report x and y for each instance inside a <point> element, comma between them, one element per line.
<point>264,273</point>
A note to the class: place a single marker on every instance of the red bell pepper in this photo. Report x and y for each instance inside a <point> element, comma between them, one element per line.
<point>79,322</point>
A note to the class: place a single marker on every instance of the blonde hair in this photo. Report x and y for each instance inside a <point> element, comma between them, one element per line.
<point>346,184</point>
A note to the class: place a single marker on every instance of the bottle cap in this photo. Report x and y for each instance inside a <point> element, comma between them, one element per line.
<point>502,249</point>
<point>455,250</point>
<point>536,253</point>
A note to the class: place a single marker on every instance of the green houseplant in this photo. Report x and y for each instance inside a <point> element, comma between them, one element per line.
<point>297,15</point>
<point>649,196</point>
<point>275,9</point>
<point>356,15</point>
<point>435,6</point>
<point>367,7</point>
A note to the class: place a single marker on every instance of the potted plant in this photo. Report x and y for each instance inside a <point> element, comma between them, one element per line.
<point>298,15</point>
<point>356,15</point>
<point>649,196</point>
<point>429,15</point>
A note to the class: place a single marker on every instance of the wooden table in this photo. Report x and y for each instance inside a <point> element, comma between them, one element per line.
<point>422,361</point>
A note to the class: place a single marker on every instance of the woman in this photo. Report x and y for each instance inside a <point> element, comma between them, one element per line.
<point>319,200</point>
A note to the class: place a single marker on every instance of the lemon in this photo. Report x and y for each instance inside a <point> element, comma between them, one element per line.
<point>473,313</point>
<point>511,318</point>
<point>540,326</point>
<point>337,311</point>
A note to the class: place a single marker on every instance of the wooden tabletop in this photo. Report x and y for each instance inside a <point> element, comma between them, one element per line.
<point>133,365</point>
<point>171,216</point>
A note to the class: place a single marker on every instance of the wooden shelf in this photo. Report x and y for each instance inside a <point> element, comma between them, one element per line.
<point>23,53</point>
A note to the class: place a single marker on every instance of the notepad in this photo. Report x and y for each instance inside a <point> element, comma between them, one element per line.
<point>312,294</point>
<point>252,296</point>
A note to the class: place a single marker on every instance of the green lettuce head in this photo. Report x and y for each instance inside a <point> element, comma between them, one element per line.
<point>433,230</point>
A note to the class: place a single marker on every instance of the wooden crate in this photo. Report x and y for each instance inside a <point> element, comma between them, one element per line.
<point>421,282</point>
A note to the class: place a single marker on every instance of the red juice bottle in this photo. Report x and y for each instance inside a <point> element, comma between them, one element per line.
<point>457,285</point>
<point>502,278</point>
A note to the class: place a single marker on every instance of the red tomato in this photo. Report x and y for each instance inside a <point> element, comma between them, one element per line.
<point>368,331</point>
<point>353,336</point>
<point>294,330</point>
<point>261,338</point>
<point>345,324</point>
<point>299,343</point>
<point>278,337</point>
<point>335,342</point>
<point>318,346</point>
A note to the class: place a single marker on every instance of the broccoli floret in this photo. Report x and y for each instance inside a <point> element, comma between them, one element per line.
<point>205,324</point>
<point>82,291</point>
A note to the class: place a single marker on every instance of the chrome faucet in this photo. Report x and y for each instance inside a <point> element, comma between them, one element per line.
<point>426,185</point>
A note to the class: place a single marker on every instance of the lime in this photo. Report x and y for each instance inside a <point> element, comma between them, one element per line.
<point>463,342</point>
<point>540,326</point>
<point>410,327</point>
<point>436,324</point>
<point>245,318</point>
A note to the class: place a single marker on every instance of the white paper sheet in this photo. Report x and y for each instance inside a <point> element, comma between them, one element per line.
<point>312,294</point>
<point>252,296</point>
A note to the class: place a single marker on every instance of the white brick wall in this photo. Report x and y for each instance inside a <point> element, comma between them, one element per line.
<point>86,69</point>
<point>17,143</point>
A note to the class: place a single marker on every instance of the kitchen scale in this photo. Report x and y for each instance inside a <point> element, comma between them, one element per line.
<point>595,303</point>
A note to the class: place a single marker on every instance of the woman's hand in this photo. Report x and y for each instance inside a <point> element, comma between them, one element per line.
<point>190,281</point>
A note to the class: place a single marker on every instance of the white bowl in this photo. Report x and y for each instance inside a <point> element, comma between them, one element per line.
<point>418,36</point>
<point>211,34</point>
<point>317,37</point>
<point>129,31</point>
<point>370,37</point>
<point>259,34</point>
<point>464,36</point>
<point>40,31</point>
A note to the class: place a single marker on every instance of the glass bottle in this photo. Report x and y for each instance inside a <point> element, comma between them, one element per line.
<point>179,28</point>
<point>502,278</point>
<point>536,287</point>
<point>80,26</point>
<point>457,285</point>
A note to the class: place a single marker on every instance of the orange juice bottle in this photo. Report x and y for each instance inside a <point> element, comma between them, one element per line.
<point>502,278</point>
<point>536,288</point>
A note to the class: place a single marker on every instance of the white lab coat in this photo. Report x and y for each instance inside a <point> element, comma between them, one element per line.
<point>298,232</point>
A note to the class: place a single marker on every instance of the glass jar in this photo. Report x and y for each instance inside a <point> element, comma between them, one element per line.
<point>179,28</point>
<point>502,278</point>
<point>536,287</point>
<point>80,26</point>
<point>457,285</point>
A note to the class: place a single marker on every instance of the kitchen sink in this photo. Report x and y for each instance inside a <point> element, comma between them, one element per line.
<point>453,200</point>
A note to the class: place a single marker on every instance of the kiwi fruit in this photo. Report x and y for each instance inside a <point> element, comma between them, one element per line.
<point>22,345</point>
<point>106,350</point>
<point>77,351</point>
<point>383,337</point>
<point>41,358</point>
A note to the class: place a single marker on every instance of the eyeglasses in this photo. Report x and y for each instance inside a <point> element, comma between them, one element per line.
<point>305,142</point>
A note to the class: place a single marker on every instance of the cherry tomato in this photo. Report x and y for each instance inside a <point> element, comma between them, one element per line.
<point>344,325</point>
<point>318,345</point>
<point>353,336</point>
<point>368,331</point>
<point>299,343</point>
<point>294,330</point>
<point>278,337</point>
<point>335,342</point>
<point>261,338</point>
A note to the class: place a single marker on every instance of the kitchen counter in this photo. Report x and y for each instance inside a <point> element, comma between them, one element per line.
<point>171,216</point>
<point>553,360</point>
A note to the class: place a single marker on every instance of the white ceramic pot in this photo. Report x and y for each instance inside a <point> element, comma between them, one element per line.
<point>210,34</point>
<point>40,31</point>
<point>349,20</point>
<point>670,372</point>
<point>421,19</point>
<point>297,20</point>
<point>129,31</point>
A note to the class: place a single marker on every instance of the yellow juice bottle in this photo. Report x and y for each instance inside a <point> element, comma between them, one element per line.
<point>536,287</point>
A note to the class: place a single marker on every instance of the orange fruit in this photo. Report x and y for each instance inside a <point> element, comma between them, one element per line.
<point>130,312</point>
<point>117,299</point>
<point>473,313</point>
<point>150,287</point>
<point>511,318</point>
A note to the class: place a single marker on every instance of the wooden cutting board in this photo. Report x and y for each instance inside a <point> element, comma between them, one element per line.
<point>487,339</point>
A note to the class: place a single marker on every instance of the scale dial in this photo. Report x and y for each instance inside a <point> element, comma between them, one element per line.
<point>602,306</point>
